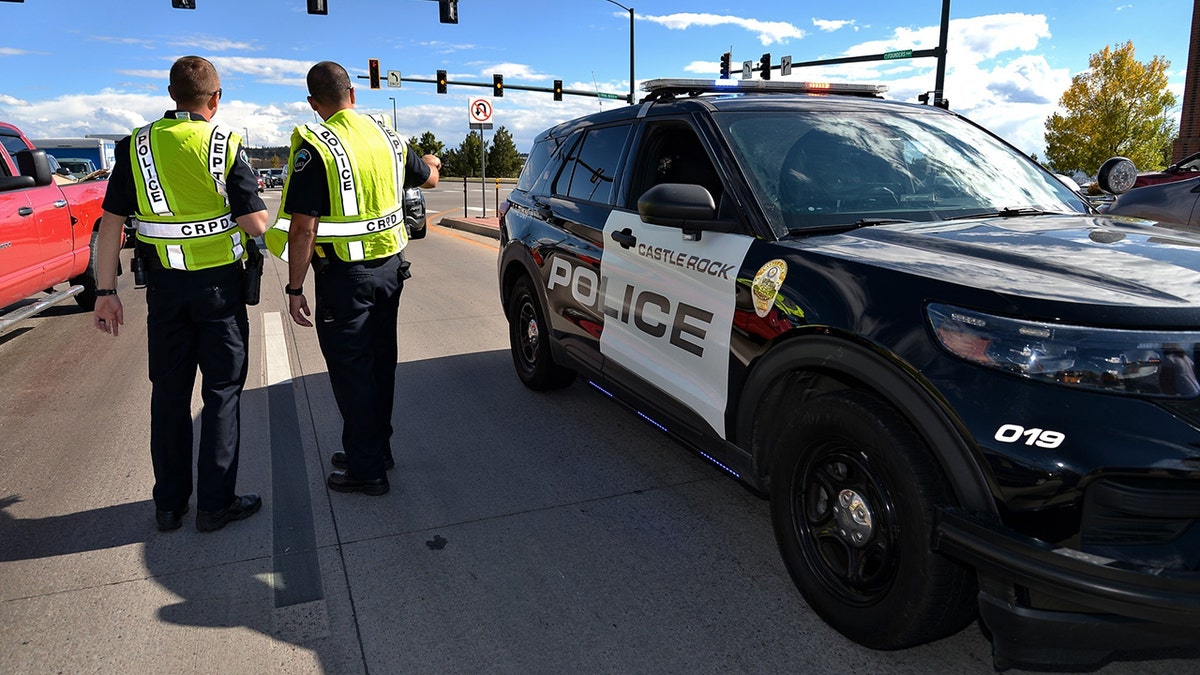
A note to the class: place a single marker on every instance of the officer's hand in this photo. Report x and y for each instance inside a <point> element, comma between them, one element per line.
<point>298,308</point>
<point>108,315</point>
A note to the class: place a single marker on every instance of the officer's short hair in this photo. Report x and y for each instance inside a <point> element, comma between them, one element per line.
<point>328,83</point>
<point>193,80</point>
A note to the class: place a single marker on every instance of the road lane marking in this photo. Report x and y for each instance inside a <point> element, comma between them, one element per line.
<point>296,570</point>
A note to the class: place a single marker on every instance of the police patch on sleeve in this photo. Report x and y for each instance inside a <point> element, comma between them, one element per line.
<point>302,159</point>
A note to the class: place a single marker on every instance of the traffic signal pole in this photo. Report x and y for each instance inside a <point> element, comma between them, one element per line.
<point>507,86</point>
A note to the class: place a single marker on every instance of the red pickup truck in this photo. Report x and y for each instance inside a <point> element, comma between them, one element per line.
<point>47,230</point>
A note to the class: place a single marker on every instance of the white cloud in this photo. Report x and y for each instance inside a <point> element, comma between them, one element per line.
<point>163,75</point>
<point>286,72</point>
<point>514,72</point>
<point>138,42</point>
<point>992,76</point>
<point>448,47</point>
<point>830,25</point>
<point>215,44</point>
<point>769,32</point>
<point>106,112</point>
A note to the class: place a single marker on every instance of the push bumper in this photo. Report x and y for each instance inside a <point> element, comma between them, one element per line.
<point>1101,605</point>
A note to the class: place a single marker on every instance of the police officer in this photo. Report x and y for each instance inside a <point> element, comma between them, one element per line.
<point>343,214</point>
<point>189,186</point>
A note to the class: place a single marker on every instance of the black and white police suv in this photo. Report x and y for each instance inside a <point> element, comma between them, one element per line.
<point>965,391</point>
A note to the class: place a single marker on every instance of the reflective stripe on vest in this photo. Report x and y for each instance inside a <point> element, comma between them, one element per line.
<point>354,232</point>
<point>167,212</point>
<point>397,153</point>
<point>196,228</point>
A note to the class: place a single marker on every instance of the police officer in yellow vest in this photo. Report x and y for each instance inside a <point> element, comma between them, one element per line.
<point>188,184</point>
<point>343,214</point>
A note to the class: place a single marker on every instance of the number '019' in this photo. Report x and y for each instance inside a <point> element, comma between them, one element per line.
<point>1042,438</point>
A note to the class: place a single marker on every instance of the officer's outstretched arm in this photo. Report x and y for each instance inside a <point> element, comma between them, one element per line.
<point>435,168</point>
<point>254,224</point>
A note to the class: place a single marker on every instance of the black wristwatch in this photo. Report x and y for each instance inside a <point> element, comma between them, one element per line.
<point>105,291</point>
<point>293,291</point>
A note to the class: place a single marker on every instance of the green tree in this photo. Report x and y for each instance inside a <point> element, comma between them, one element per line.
<point>503,160</point>
<point>465,160</point>
<point>1118,107</point>
<point>427,144</point>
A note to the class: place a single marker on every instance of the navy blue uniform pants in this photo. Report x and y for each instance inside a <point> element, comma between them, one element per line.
<point>357,307</point>
<point>196,320</point>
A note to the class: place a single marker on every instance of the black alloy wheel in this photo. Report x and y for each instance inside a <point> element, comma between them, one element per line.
<point>854,493</point>
<point>528,337</point>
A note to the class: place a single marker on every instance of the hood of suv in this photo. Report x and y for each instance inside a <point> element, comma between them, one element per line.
<point>1087,259</point>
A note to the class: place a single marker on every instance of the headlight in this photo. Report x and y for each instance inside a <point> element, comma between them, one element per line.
<point>1115,361</point>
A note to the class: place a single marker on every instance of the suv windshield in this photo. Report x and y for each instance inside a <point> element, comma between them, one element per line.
<point>813,170</point>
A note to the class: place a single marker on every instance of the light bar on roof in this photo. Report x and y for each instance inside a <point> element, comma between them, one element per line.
<point>771,86</point>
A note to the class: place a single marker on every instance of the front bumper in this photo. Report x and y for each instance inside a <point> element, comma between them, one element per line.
<point>1101,605</point>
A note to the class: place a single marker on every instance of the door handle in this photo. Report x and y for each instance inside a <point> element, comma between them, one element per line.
<point>59,203</point>
<point>25,211</point>
<point>625,238</point>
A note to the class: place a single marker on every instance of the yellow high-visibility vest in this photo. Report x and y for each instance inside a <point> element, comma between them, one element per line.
<point>364,163</point>
<point>183,212</point>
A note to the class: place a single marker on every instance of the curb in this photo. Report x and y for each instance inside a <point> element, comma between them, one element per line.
<point>487,227</point>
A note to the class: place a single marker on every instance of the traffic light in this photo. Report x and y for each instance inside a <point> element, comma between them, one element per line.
<point>183,4</point>
<point>448,11</point>
<point>441,81</point>
<point>725,65</point>
<point>498,85</point>
<point>373,72</point>
<point>558,90</point>
<point>318,7</point>
<point>766,66</point>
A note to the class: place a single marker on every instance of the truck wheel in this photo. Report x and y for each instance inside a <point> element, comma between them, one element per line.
<point>853,496</point>
<point>528,337</point>
<point>87,297</point>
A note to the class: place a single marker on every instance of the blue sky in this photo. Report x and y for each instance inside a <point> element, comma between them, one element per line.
<point>70,67</point>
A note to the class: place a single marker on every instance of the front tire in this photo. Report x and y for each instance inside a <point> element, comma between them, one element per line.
<point>854,492</point>
<point>87,297</point>
<point>529,341</point>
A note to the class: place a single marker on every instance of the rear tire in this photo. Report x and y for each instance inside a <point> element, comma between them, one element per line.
<point>529,341</point>
<point>87,297</point>
<point>854,492</point>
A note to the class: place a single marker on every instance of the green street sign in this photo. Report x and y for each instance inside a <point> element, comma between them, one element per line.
<point>612,96</point>
<point>901,54</point>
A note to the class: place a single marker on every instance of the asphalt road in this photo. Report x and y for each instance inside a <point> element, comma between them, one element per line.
<point>525,532</point>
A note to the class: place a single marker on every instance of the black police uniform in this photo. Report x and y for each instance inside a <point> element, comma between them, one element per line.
<point>194,319</point>
<point>357,305</point>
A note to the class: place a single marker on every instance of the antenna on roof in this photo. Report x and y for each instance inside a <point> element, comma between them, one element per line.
<point>596,86</point>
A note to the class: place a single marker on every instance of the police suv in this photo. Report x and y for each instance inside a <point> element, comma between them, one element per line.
<point>965,391</point>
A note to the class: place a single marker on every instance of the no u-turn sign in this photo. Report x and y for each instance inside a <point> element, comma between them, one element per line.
<point>480,110</point>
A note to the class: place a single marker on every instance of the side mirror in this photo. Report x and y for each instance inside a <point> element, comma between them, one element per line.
<point>1116,176</point>
<point>34,163</point>
<point>686,206</point>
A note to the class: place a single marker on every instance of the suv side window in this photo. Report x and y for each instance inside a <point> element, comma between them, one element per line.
<point>540,164</point>
<point>591,168</point>
<point>671,152</point>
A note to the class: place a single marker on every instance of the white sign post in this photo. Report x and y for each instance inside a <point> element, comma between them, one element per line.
<point>480,110</point>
